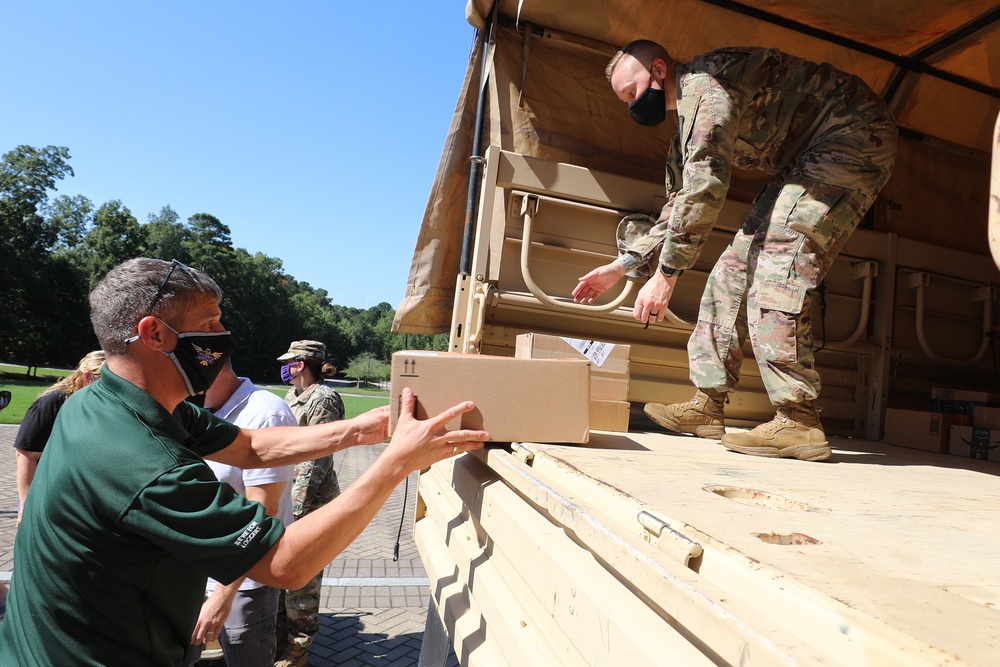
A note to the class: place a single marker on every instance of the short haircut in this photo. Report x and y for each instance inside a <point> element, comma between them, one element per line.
<point>123,296</point>
<point>643,50</point>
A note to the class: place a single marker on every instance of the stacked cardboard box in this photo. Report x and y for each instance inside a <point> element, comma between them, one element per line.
<point>609,373</point>
<point>918,429</point>
<point>517,400</point>
<point>981,440</point>
<point>975,443</point>
<point>961,402</point>
<point>933,431</point>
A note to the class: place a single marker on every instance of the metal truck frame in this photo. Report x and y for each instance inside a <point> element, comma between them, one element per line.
<point>647,548</point>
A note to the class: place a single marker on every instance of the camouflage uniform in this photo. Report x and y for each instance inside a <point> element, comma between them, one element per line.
<point>315,485</point>
<point>829,143</point>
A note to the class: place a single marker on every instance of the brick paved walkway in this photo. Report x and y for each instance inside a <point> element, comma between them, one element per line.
<point>373,608</point>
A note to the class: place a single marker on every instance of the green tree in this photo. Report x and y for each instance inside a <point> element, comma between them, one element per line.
<point>116,237</point>
<point>257,306</point>
<point>31,293</point>
<point>166,237</point>
<point>53,252</point>
<point>72,217</point>
<point>366,367</point>
<point>209,245</point>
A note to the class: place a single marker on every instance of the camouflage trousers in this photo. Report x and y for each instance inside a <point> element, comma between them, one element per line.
<point>760,286</point>
<point>315,485</point>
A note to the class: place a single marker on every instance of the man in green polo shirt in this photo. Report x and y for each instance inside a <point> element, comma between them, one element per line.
<point>125,520</point>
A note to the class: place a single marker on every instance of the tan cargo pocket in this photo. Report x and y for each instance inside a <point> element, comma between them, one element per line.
<point>781,296</point>
<point>774,324</point>
<point>817,215</point>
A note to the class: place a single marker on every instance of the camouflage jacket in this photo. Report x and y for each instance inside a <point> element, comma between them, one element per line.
<point>754,109</point>
<point>318,404</point>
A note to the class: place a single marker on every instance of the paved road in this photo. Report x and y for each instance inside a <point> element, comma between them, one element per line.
<point>373,608</point>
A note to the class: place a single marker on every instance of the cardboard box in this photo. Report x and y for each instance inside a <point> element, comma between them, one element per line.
<point>964,395</point>
<point>976,443</point>
<point>962,402</point>
<point>608,389</point>
<point>986,417</point>
<point>609,415</point>
<point>917,429</point>
<point>609,368</point>
<point>517,400</point>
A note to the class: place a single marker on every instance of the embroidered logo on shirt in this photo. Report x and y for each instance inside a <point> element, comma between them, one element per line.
<point>248,535</point>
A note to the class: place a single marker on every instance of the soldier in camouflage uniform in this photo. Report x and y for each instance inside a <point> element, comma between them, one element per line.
<point>315,484</point>
<point>829,143</point>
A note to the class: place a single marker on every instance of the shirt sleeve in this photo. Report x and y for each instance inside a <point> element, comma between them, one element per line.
<point>209,434</point>
<point>36,427</point>
<point>708,122</point>
<point>202,522</point>
<point>329,408</point>
<point>260,476</point>
<point>644,246</point>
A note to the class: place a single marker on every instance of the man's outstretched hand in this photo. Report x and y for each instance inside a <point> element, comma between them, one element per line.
<point>420,443</point>
<point>372,426</point>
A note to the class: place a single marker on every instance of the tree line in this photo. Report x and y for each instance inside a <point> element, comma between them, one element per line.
<point>54,250</point>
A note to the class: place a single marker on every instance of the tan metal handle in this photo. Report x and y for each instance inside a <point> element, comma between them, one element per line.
<point>994,208</point>
<point>920,280</point>
<point>528,207</point>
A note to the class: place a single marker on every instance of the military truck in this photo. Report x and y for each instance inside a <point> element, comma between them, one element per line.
<point>648,548</point>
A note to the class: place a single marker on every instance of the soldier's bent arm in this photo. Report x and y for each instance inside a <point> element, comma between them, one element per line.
<point>708,122</point>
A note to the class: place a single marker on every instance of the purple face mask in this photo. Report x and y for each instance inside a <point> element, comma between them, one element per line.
<point>286,372</point>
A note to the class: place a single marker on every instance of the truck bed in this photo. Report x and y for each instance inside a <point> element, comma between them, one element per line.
<point>647,548</point>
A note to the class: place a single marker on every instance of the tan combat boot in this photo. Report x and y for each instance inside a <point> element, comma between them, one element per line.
<point>295,655</point>
<point>702,415</point>
<point>794,432</point>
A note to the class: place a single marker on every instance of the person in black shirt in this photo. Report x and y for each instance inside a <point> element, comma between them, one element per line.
<point>41,415</point>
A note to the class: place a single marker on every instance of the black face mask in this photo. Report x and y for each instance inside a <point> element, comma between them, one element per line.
<point>200,356</point>
<point>650,108</point>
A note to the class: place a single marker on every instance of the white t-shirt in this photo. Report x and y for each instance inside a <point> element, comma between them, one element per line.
<point>250,407</point>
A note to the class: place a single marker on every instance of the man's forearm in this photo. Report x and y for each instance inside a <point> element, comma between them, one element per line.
<point>311,542</point>
<point>285,445</point>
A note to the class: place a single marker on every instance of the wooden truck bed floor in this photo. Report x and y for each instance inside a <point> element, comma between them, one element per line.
<point>880,555</point>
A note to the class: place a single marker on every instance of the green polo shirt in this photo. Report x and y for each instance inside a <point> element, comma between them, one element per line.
<point>123,523</point>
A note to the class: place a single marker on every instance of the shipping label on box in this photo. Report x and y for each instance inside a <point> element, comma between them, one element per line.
<point>916,429</point>
<point>517,400</point>
<point>976,443</point>
<point>606,358</point>
<point>609,370</point>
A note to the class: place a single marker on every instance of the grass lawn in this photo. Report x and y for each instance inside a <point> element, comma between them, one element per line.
<point>22,394</point>
<point>354,402</point>
<point>25,390</point>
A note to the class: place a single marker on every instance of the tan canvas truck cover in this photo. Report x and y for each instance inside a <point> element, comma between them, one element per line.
<point>549,98</point>
<point>644,548</point>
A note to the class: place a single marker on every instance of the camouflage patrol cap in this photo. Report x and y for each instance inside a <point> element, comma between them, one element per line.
<point>305,348</point>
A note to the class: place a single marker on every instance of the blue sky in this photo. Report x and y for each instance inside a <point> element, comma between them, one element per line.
<point>312,129</point>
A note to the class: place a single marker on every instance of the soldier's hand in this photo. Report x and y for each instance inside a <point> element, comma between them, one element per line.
<point>653,299</point>
<point>597,282</point>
